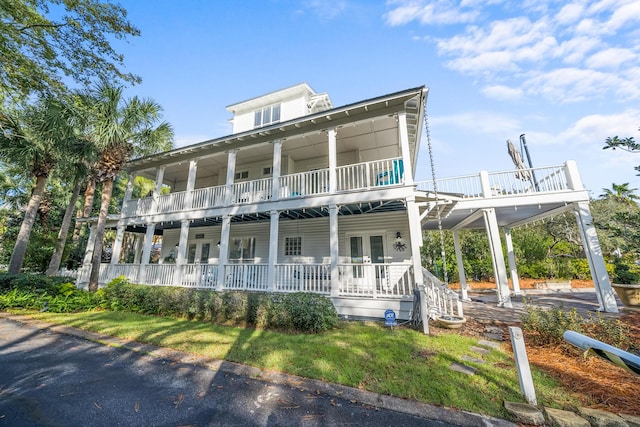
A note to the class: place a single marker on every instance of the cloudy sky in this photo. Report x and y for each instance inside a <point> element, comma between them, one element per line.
<point>565,73</point>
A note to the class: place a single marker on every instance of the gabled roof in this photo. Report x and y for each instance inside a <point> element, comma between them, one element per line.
<point>411,100</point>
<point>271,97</point>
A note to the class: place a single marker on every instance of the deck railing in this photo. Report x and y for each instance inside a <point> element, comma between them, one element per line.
<point>440,299</point>
<point>504,183</point>
<point>246,277</point>
<point>303,278</point>
<point>304,183</point>
<point>370,174</point>
<point>376,280</point>
<point>251,191</point>
<point>208,197</point>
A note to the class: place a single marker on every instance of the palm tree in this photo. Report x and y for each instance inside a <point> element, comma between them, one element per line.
<point>620,193</point>
<point>120,129</point>
<point>35,139</point>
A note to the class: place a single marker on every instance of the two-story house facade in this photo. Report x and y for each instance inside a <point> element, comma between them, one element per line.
<point>306,196</point>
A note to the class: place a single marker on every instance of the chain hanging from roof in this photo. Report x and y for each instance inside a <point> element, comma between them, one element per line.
<point>435,193</point>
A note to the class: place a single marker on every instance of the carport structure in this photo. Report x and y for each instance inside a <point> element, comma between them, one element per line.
<point>500,200</point>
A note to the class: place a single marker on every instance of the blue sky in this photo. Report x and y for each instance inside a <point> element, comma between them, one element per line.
<point>565,73</point>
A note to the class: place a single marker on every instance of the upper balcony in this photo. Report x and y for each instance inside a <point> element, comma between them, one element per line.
<point>353,177</point>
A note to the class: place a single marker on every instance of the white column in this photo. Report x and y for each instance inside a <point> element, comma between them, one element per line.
<point>146,253</point>
<point>224,249</point>
<point>128,191</point>
<point>415,232</point>
<point>191,184</point>
<point>593,252</point>
<point>511,257</point>
<point>497,257</point>
<point>91,242</point>
<point>138,249</point>
<point>273,248</point>
<point>485,184</point>
<point>404,147</point>
<point>181,256</point>
<point>463,278</point>
<point>573,176</point>
<point>157,188</point>
<point>276,170</point>
<point>333,250</point>
<point>231,171</point>
<point>333,160</point>
<point>117,245</point>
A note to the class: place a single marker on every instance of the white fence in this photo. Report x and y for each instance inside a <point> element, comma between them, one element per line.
<point>440,299</point>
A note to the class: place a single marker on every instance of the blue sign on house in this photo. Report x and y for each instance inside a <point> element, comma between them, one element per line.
<point>390,318</point>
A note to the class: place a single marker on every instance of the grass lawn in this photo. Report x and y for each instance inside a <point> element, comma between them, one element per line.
<point>402,363</point>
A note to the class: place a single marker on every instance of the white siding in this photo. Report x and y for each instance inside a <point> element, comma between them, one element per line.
<point>314,233</point>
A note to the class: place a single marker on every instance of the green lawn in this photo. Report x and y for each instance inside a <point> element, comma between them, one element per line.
<point>403,362</point>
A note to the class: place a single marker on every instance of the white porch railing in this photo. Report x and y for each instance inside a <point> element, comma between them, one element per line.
<point>303,278</point>
<point>251,191</point>
<point>171,202</point>
<point>440,299</point>
<point>376,280</point>
<point>542,180</point>
<point>370,174</point>
<point>208,197</point>
<point>304,183</point>
<point>246,277</point>
<point>199,276</point>
<point>394,280</point>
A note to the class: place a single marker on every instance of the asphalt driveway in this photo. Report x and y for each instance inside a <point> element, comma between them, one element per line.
<point>49,378</point>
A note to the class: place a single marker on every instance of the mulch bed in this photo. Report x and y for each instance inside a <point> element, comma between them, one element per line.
<point>594,381</point>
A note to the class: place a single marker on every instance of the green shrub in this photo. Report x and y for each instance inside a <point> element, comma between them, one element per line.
<point>310,312</point>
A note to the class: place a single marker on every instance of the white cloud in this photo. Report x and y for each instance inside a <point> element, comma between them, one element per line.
<point>568,52</point>
<point>611,58</point>
<point>487,123</point>
<point>502,92</point>
<point>433,12</point>
<point>326,10</point>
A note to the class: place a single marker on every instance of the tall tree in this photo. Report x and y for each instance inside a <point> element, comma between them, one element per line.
<point>35,139</point>
<point>43,43</point>
<point>626,144</point>
<point>621,193</point>
<point>120,128</point>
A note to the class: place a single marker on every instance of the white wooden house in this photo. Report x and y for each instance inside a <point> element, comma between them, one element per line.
<point>306,196</point>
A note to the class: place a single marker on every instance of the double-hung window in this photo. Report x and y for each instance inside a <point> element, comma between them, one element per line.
<point>266,116</point>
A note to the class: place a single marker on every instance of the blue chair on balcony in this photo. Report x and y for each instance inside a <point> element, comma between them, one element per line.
<point>391,177</point>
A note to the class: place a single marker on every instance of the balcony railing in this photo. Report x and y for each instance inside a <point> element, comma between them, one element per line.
<point>505,183</point>
<point>360,176</point>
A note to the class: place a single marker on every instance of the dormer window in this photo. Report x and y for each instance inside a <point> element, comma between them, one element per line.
<point>266,116</point>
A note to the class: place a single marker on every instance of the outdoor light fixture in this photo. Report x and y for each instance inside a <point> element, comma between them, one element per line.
<point>399,245</point>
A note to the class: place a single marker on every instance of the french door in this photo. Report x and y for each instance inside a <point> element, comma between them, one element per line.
<point>367,255</point>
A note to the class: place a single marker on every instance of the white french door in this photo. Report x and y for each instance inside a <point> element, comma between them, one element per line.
<point>367,253</point>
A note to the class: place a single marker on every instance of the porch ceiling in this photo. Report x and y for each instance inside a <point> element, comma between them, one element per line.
<point>291,214</point>
<point>508,216</point>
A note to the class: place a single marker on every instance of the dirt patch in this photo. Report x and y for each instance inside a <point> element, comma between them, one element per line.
<point>595,382</point>
<point>524,284</point>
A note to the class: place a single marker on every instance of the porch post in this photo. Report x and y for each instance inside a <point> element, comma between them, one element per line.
<point>404,148</point>
<point>128,191</point>
<point>573,176</point>
<point>333,160</point>
<point>191,184</point>
<point>138,249</point>
<point>182,251</point>
<point>497,257</point>
<point>333,250</point>
<point>117,245</point>
<point>593,252</point>
<point>146,253</point>
<point>511,257</point>
<point>231,171</point>
<point>157,188</point>
<point>273,249</point>
<point>463,278</point>
<point>415,232</point>
<point>224,249</point>
<point>276,170</point>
